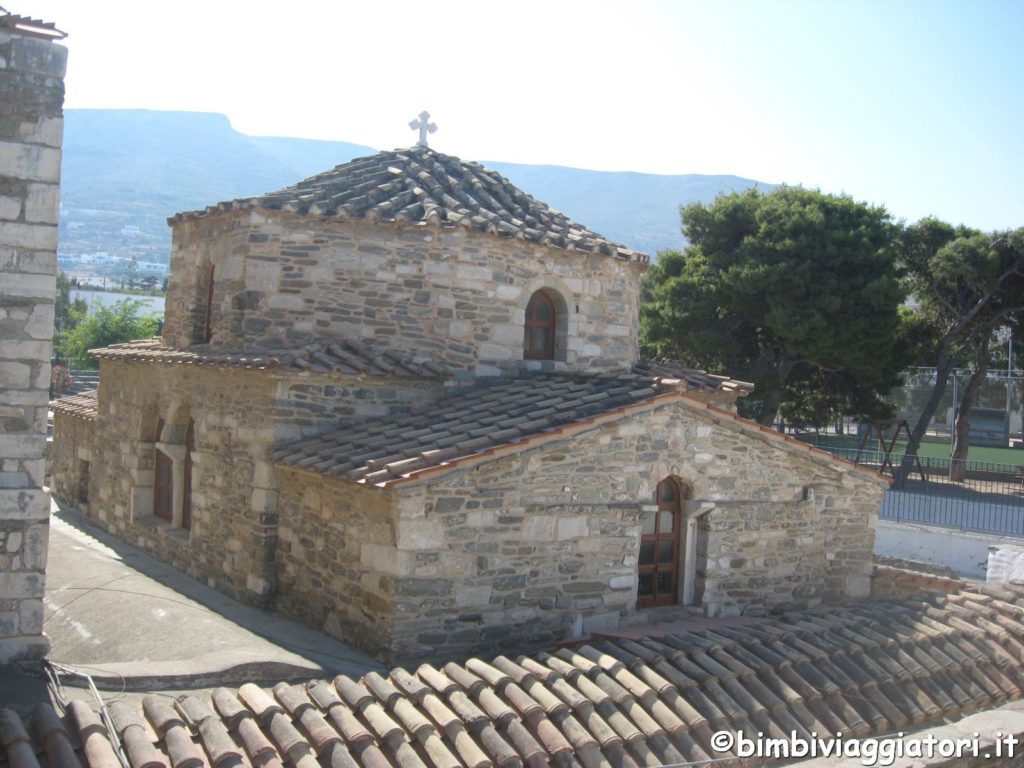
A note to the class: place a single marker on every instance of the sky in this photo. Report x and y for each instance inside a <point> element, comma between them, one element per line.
<point>914,105</point>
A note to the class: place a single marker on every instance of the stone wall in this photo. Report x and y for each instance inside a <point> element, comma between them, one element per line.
<point>69,464</point>
<point>452,296</point>
<point>310,403</point>
<point>524,550</point>
<point>31,128</point>
<point>329,572</point>
<point>239,415</point>
<point>230,545</point>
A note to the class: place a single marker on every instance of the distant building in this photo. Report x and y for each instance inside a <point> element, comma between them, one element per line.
<point>100,258</point>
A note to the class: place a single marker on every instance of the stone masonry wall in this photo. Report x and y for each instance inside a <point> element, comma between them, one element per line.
<point>310,403</point>
<point>239,415</point>
<point>70,460</point>
<point>31,128</point>
<point>513,551</point>
<point>329,574</point>
<point>231,543</point>
<point>452,296</point>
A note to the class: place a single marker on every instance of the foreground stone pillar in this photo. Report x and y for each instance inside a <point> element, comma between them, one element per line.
<point>31,128</point>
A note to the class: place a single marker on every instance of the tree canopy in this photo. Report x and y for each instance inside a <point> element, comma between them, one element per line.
<point>966,284</point>
<point>794,290</point>
<point>101,326</point>
<point>66,309</point>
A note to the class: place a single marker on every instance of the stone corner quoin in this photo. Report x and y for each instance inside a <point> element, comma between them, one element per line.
<point>31,129</point>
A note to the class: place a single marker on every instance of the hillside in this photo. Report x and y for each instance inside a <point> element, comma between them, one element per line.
<point>134,168</point>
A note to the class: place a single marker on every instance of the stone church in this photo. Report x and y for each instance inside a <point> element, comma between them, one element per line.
<point>403,401</point>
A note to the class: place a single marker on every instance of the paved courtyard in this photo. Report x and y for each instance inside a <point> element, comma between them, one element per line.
<point>126,619</point>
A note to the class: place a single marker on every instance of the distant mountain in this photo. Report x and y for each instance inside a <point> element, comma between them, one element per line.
<point>126,171</point>
<point>640,210</point>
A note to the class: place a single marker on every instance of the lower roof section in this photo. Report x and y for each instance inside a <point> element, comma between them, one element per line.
<point>342,356</point>
<point>82,406</point>
<point>500,416</point>
<point>857,670</point>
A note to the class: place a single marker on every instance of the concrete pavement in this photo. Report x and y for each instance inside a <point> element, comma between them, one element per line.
<point>132,622</point>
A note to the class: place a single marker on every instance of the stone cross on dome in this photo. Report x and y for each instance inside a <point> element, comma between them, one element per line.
<point>424,126</point>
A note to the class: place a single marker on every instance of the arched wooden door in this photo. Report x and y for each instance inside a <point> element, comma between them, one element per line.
<point>659,564</point>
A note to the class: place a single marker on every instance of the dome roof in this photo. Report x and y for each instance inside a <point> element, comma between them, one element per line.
<point>419,186</point>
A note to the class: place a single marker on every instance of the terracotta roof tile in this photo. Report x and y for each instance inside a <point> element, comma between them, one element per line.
<point>339,357</point>
<point>29,27</point>
<point>676,370</point>
<point>421,187</point>
<point>858,669</point>
<point>468,422</point>
<point>479,419</point>
<point>81,406</point>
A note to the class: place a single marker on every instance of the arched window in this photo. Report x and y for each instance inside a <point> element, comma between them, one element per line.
<point>163,480</point>
<point>658,567</point>
<point>208,318</point>
<point>186,502</point>
<point>540,327</point>
<point>173,449</point>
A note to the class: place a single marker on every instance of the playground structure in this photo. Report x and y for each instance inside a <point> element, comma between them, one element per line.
<point>885,434</point>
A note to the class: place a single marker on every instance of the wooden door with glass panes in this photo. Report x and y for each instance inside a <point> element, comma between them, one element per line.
<point>658,565</point>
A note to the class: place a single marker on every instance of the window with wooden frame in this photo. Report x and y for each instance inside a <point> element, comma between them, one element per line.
<point>186,500</point>
<point>163,480</point>
<point>658,567</point>
<point>208,316</point>
<point>540,327</point>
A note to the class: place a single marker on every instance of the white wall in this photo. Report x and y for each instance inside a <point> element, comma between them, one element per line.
<point>966,553</point>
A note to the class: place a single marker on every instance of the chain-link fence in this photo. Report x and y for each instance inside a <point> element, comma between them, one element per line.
<point>995,418</point>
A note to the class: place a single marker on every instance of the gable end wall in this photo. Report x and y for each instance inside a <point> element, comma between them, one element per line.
<point>514,552</point>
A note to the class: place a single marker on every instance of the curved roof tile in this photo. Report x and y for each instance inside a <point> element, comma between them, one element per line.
<point>81,406</point>
<point>419,186</point>
<point>859,669</point>
<point>509,415</point>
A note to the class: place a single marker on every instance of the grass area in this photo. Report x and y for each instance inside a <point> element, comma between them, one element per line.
<point>1012,456</point>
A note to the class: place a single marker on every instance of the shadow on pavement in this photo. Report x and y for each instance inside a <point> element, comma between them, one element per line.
<point>131,621</point>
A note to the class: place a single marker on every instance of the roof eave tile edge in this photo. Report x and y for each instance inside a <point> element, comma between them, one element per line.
<point>58,406</point>
<point>129,358</point>
<point>26,26</point>
<point>269,363</point>
<point>83,416</point>
<point>72,413</point>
